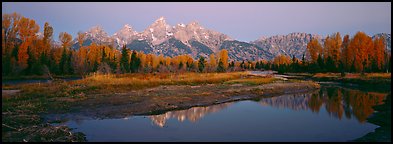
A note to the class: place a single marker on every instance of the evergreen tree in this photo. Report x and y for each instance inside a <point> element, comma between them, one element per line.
<point>220,67</point>
<point>180,65</point>
<point>103,55</point>
<point>330,65</point>
<point>6,61</point>
<point>70,69</point>
<point>321,64</point>
<point>30,61</point>
<point>44,59</point>
<point>257,66</point>
<point>124,61</point>
<point>95,66</point>
<point>231,66</point>
<point>135,62</point>
<point>242,65</point>
<point>63,61</point>
<point>113,64</point>
<point>201,63</point>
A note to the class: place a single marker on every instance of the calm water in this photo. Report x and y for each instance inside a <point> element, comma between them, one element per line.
<point>331,114</point>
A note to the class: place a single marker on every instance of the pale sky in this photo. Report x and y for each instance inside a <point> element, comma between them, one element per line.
<point>242,21</point>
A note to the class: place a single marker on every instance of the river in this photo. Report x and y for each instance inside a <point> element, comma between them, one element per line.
<point>332,113</point>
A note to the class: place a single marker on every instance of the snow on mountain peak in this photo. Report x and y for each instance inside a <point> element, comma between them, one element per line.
<point>161,19</point>
<point>96,31</point>
<point>128,26</point>
<point>181,24</point>
<point>195,23</point>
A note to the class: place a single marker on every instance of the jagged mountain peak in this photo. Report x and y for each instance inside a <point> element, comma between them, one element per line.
<point>125,35</point>
<point>96,28</point>
<point>181,25</point>
<point>194,25</point>
<point>160,21</point>
<point>162,18</point>
<point>194,22</point>
<point>126,29</point>
<point>294,43</point>
<point>127,26</point>
<point>97,31</point>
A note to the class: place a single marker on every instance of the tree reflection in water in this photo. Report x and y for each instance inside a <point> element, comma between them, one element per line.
<point>336,100</point>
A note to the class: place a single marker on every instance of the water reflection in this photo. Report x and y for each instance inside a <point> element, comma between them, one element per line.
<point>192,114</point>
<point>336,101</point>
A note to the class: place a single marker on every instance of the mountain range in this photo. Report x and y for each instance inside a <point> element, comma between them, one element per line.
<point>194,39</point>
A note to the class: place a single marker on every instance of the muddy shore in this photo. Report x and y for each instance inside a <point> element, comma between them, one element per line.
<point>164,98</point>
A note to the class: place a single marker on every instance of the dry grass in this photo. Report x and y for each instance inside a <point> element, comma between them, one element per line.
<point>141,81</point>
<point>320,75</point>
<point>379,75</point>
<point>354,75</point>
<point>251,81</point>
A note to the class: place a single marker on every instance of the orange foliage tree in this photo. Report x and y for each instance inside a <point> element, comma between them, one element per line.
<point>314,48</point>
<point>27,33</point>
<point>361,46</point>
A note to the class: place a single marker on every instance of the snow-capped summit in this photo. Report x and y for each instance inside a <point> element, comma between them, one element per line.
<point>125,35</point>
<point>161,19</point>
<point>157,32</point>
<point>181,25</point>
<point>195,32</point>
<point>97,34</point>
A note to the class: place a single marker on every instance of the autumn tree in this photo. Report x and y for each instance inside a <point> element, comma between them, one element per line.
<point>81,38</point>
<point>65,39</point>
<point>346,55</point>
<point>314,49</point>
<point>360,46</point>
<point>281,63</point>
<point>378,53</point>
<point>281,59</point>
<point>335,49</point>
<point>80,61</point>
<point>65,60</point>
<point>212,62</point>
<point>223,56</point>
<point>48,34</point>
<point>46,44</point>
<point>10,30</point>
<point>27,33</point>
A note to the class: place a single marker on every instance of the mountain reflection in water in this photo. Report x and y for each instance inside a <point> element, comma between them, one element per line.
<point>337,102</point>
<point>192,114</point>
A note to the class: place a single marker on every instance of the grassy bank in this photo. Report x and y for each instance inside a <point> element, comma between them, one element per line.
<point>21,119</point>
<point>382,118</point>
<point>127,82</point>
<point>381,81</point>
<point>37,77</point>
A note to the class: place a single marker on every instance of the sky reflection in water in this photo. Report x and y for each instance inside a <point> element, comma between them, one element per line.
<point>331,114</point>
